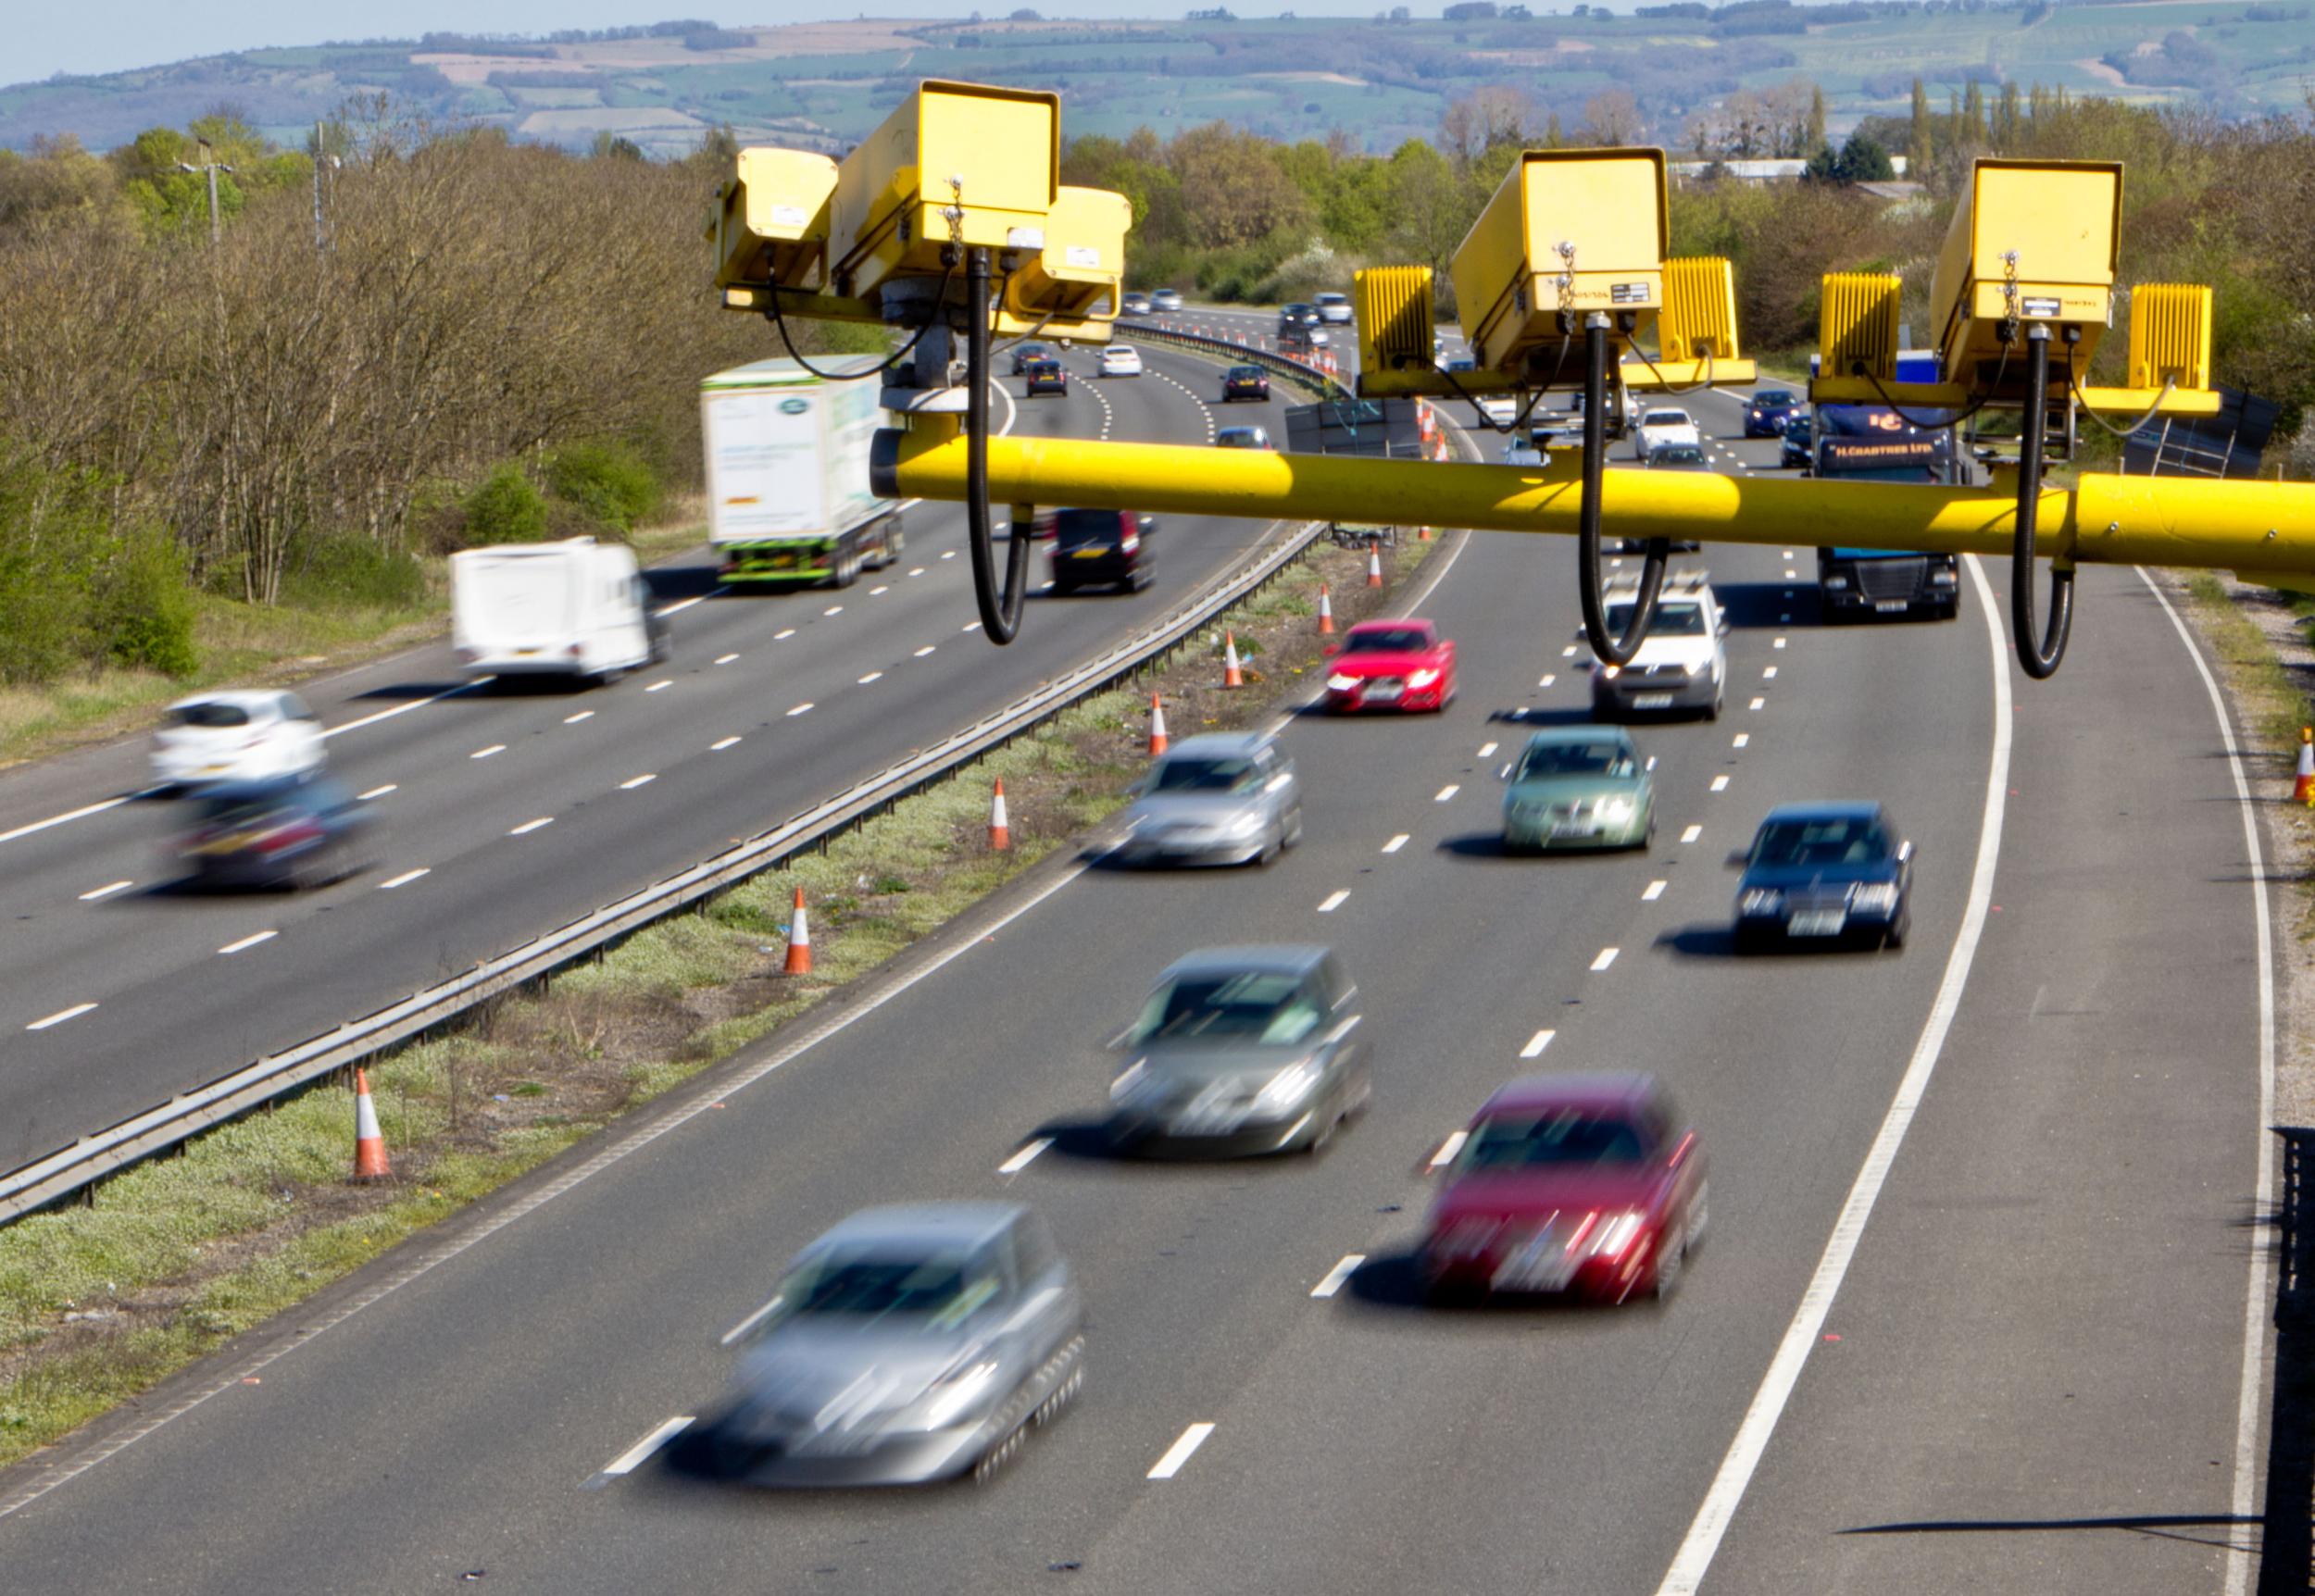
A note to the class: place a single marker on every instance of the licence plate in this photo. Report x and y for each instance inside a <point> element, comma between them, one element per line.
<point>1652,701</point>
<point>1385,692</point>
<point>1209,1121</point>
<point>1890,606</point>
<point>1543,1264</point>
<point>1086,554</point>
<point>1573,828</point>
<point>1818,922</point>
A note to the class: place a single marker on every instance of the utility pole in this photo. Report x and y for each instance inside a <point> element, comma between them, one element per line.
<point>212,166</point>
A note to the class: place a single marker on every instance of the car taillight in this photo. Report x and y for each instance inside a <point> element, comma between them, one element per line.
<point>1128,544</point>
<point>285,836</point>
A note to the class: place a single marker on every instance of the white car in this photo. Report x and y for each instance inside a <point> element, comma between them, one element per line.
<point>1333,307</point>
<point>1660,427</point>
<point>1501,409</point>
<point>1120,360</point>
<point>238,736</point>
<point>1682,665</point>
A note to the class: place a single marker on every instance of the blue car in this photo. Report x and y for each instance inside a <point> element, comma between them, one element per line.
<point>1820,874</point>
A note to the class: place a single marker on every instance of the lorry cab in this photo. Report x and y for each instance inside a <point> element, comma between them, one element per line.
<point>573,608</point>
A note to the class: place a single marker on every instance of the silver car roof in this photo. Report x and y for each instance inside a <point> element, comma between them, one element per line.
<point>1220,745</point>
<point>1279,958</point>
<point>921,1224</point>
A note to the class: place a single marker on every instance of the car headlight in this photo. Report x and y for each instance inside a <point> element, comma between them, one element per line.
<point>1342,682</point>
<point>1611,671</point>
<point>953,1393</point>
<point>1422,679</point>
<point>1245,825</point>
<point>1941,578</point>
<point>1836,584</point>
<point>1615,808</point>
<point>1760,901</point>
<point>1880,898</point>
<point>1614,1234</point>
<point>1288,1087</point>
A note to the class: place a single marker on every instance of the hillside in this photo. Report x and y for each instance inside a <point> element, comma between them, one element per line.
<point>824,84</point>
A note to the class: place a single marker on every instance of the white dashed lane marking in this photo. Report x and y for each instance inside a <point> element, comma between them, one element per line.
<point>922,652</point>
<point>721,743</point>
<point>75,1011</point>
<point>530,826</point>
<point>634,781</point>
<point>1179,1452</point>
<point>660,686</point>
<point>784,635</point>
<point>800,709</point>
<point>1742,738</point>
<point>1759,704</point>
<point>575,719</point>
<point>1447,791</point>
<point>871,676</point>
<point>1692,833</point>
<point>486,752</point>
<point>378,791</point>
<point>1720,783</point>
<point>1487,750</point>
<point>1022,1159</point>
<point>249,942</point>
<point>1393,846</point>
<point>1340,1273</point>
<point>726,659</point>
<point>1655,891</point>
<point>1333,901</point>
<point>106,891</point>
<point>403,879</point>
<point>1536,1043</point>
<point>1606,957</point>
<point>1449,1148</point>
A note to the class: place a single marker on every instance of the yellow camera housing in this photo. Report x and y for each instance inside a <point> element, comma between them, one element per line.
<point>771,225</point>
<point>1071,287</point>
<point>2030,240</point>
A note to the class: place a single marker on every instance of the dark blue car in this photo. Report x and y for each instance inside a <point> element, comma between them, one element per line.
<point>1769,410</point>
<point>1824,873</point>
<point>290,831</point>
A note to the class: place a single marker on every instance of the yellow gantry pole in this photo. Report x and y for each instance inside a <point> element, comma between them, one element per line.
<point>2251,527</point>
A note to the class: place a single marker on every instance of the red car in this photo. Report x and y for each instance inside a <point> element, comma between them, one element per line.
<point>1392,665</point>
<point>1583,1184</point>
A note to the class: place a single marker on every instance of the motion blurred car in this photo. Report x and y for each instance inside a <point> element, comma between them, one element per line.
<point>1135,305</point>
<point>1579,787</point>
<point>1585,1184</point>
<point>1799,447</point>
<point>1769,410</point>
<point>1120,360</point>
<point>1101,548</point>
<point>1245,383</point>
<point>1661,425</point>
<point>1047,376</point>
<point>1166,299</point>
<point>235,736</point>
<point>1332,308</point>
<point>1295,315</point>
<point>1403,665</point>
<point>1640,545</point>
<point>1223,798</point>
<point>1243,1050</point>
<point>1677,458</point>
<point>1302,339</point>
<point>1243,438</point>
<point>303,831</point>
<point>1023,354</point>
<point>908,1344</point>
<point>1824,873</point>
<point>1500,409</point>
<point>1681,665</point>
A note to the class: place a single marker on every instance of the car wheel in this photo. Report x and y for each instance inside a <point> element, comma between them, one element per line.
<point>1294,826</point>
<point>1671,1259</point>
<point>1063,589</point>
<point>1895,936</point>
<point>1272,846</point>
<point>1746,940</point>
<point>1699,1214</point>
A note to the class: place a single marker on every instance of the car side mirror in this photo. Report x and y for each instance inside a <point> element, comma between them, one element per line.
<point>1651,764</point>
<point>1739,859</point>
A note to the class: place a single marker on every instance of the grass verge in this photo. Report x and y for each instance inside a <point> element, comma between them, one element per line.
<point>174,1258</point>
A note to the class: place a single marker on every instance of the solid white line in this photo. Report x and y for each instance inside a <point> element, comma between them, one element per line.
<point>106,891</point>
<point>1447,791</point>
<point>61,1016</point>
<point>2255,1311</point>
<point>378,791</point>
<point>871,676</point>
<point>575,719</point>
<point>784,635</point>
<point>659,686</point>
<point>800,709</point>
<point>721,743</point>
<point>1022,1159</point>
<point>1606,957</point>
<point>486,752</point>
<point>1179,1452</point>
<point>1536,1043</point>
<point>249,942</point>
<point>531,825</point>
<point>928,648</point>
<point>726,658</point>
<point>400,709</point>
<point>1449,1148</point>
<point>75,815</point>
<point>1338,1274</point>
<point>1393,846</point>
<point>632,1459</point>
<point>1333,901</point>
<point>1487,750</point>
<point>634,781</point>
<point>1720,783</point>
<point>404,878</point>
<point>1655,891</point>
<point>1692,833</point>
<point>1727,1490</point>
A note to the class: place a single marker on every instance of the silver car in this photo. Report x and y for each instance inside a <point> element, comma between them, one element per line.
<point>908,1344</point>
<point>1225,799</point>
<point>1241,1050</point>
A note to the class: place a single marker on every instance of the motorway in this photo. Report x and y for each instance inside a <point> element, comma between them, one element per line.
<point>1972,1315</point>
<point>506,814</point>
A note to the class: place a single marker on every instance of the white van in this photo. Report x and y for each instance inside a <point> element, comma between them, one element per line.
<point>571,609</point>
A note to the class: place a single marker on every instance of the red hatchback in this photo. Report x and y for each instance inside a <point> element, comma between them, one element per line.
<point>1583,1184</point>
<point>1392,665</point>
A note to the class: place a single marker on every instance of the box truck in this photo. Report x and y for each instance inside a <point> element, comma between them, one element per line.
<point>576,608</point>
<point>788,498</point>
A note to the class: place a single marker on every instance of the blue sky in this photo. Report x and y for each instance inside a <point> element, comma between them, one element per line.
<point>112,35</point>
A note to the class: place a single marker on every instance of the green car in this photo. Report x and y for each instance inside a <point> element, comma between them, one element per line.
<point>1579,787</point>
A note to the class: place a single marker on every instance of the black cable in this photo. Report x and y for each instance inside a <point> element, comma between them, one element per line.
<point>1671,391</point>
<point>2039,660</point>
<point>1979,404</point>
<point>1536,398</point>
<point>940,303</point>
<point>1611,650</point>
<point>2073,381</point>
<point>1000,619</point>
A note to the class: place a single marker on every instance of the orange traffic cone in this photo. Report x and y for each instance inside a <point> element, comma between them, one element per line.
<point>369,1145</point>
<point>1374,565</point>
<point>1156,727</point>
<point>1422,534</point>
<point>2303,790</point>
<point>1000,833</point>
<point>1231,676</point>
<point>799,940</point>
<point>1326,612</point>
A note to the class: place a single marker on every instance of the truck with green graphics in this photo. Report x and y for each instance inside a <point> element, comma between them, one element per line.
<point>787,455</point>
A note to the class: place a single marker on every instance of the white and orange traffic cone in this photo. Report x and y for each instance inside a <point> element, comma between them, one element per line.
<point>370,1144</point>
<point>1374,564</point>
<point>1422,534</point>
<point>1326,612</point>
<point>1231,676</point>
<point>1000,830</point>
<point>1156,725</point>
<point>799,940</point>
<point>2303,790</point>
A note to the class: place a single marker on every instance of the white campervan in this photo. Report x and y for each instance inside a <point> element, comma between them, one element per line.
<point>571,609</point>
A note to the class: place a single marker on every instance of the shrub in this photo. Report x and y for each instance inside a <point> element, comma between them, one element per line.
<point>143,611</point>
<point>353,570</point>
<point>506,508</point>
<point>610,481</point>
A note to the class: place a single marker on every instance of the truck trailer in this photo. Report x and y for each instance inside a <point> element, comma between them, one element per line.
<point>788,498</point>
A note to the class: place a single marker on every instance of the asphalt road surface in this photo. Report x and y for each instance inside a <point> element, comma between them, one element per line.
<point>2023,1374</point>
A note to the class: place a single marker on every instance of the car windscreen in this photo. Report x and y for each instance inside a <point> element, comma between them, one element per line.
<point>1836,842</point>
<point>1561,1139</point>
<point>1670,620</point>
<point>1574,759</point>
<point>1245,373</point>
<point>1248,1006</point>
<point>1677,455</point>
<point>1184,773</point>
<point>1079,529</point>
<point>938,1289</point>
<point>1387,640</point>
<point>1666,418</point>
<point>1772,399</point>
<point>209,715</point>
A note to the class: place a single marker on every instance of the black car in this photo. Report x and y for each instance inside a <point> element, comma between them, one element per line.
<point>1047,376</point>
<point>1678,458</point>
<point>1769,410</point>
<point>1101,548</point>
<point>1026,354</point>
<point>286,831</point>
<point>1800,447</point>
<point>1820,874</point>
<point>1245,383</point>
<point>1295,316</point>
